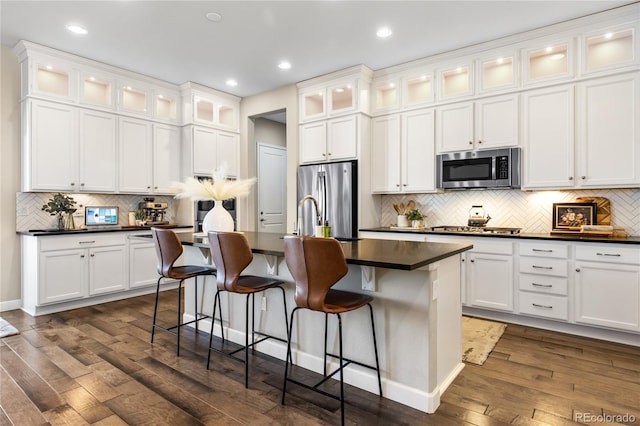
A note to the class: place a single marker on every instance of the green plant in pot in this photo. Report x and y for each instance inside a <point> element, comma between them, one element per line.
<point>416,217</point>
<point>63,206</point>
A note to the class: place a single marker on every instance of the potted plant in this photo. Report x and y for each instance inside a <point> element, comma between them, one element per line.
<point>416,218</point>
<point>61,205</point>
<point>139,216</point>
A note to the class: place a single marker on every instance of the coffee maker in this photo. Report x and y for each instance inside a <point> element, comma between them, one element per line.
<point>153,212</point>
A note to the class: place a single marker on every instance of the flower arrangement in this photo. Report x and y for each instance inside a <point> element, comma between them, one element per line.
<point>414,214</point>
<point>60,204</point>
<point>218,188</point>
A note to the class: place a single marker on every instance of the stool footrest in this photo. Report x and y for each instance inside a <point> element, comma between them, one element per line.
<point>350,361</point>
<point>314,388</point>
<point>241,348</point>
<point>168,329</point>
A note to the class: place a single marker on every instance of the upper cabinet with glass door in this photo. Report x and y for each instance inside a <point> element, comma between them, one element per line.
<point>418,89</point>
<point>97,89</point>
<point>205,106</point>
<point>46,76</point>
<point>548,62</point>
<point>607,49</point>
<point>455,81</point>
<point>166,105</point>
<point>497,71</point>
<point>134,98</point>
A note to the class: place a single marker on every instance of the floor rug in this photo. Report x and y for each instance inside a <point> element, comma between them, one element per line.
<point>7,329</point>
<point>479,337</point>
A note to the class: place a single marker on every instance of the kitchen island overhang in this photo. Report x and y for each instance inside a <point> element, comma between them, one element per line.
<point>417,310</point>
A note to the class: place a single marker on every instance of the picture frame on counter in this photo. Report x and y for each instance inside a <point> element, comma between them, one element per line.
<point>571,216</point>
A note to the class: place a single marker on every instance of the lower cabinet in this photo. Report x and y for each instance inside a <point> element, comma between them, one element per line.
<point>607,292</point>
<point>142,264</point>
<point>58,269</point>
<point>490,280</point>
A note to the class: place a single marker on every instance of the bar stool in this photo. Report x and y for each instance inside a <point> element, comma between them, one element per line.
<point>168,250</point>
<point>316,264</point>
<point>231,254</point>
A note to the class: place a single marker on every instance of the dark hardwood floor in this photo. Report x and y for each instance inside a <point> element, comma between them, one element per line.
<point>96,366</point>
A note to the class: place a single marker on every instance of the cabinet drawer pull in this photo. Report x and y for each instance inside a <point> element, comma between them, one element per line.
<point>86,242</point>
<point>609,254</point>
<point>542,285</point>
<point>542,306</point>
<point>543,251</point>
<point>541,267</point>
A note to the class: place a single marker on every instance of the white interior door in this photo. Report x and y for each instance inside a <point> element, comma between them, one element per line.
<point>272,184</point>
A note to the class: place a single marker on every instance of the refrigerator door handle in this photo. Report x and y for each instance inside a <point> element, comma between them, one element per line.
<point>323,196</point>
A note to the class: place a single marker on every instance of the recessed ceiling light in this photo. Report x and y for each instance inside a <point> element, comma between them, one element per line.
<point>231,82</point>
<point>213,17</point>
<point>284,65</point>
<point>384,32</point>
<point>77,29</point>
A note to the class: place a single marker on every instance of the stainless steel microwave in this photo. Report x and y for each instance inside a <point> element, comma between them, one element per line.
<point>492,168</point>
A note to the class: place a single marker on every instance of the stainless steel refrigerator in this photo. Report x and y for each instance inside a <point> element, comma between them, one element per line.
<point>335,187</point>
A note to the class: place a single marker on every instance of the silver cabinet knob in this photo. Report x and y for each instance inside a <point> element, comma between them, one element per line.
<point>570,177</point>
<point>577,269</point>
<point>470,142</point>
<point>583,177</point>
<point>479,142</point>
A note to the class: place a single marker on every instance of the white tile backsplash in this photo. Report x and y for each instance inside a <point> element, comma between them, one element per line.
<point>531,211</point>
<point>29,214</point>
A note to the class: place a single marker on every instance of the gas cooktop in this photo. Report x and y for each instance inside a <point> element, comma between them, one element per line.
<point>476,230</point>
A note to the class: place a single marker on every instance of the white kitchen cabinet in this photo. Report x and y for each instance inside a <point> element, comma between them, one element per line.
<point>418,89</point>
<point>135,156</point>
<point>605,151</point>
<point>63,275</point>
<point>97,89</point>
<point>455,80</point>
<point>134,98</point>
<point>490,280</point>
<point>167,164</point>
<point>548,61</point>
<point>497,71</point>
<point>143,262</point>
<point>386,95</point>
<point>608,132</point>
<point>487,123</point>
<point>330,140</point>
<point>403,158</point>
<point>544,280</point>
<point>609,49</point>
<point>49,77</point>
<point>98,145</point>
<point>108,269</point>
<point>206,150</point>
<point>548,138</point>
<point>166,105</point>
<point>607,285</point>
<point>50,147</point>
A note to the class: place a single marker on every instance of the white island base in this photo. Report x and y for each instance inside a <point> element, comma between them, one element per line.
<point>418,319</point>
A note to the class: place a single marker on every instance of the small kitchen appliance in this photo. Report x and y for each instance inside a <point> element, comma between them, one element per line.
<point>100,216</point>
<point>153,212</point>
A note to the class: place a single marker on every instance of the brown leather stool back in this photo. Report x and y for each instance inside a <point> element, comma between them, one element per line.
<point>316,264</point>
<point>168,250</point>
<point>231,254</point>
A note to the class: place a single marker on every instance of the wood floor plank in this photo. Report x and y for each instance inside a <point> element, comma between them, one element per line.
<point>113,420</point>
<point>16,405</point>
<point>101,390</point>
<point>86,405</point>
<point>38,390</point>
<point>64,415</point>
<point>65,361</point>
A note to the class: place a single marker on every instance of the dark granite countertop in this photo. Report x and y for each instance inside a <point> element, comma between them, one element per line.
<point>99,229</point>
<point>405,255</point>
<point>522,236</point>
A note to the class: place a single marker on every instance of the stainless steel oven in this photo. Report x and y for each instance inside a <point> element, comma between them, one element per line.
<point>493,168</point>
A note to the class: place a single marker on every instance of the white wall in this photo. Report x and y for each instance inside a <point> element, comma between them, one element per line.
<point>270,132</point>
<point>10,182</point>
<point>283,98</point>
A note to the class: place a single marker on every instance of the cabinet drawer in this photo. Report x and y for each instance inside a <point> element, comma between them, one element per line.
<point>608,253</point>
<point>80,241</point>
<point>490,245</point>
<point>544,305</point>
<point>544,250</point>
<point>534,265</point>
<point>544,284</point>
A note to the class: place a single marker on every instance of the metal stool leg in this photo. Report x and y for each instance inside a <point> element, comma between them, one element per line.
<point>286,319</point>
<point>246,343</point>
<point>155,310</point>
<point>326,320</point>
<point>375,348</point>
<point>286,364</point>
<point>178,327</point>
<point>195,299</point>
<point>341,372</point>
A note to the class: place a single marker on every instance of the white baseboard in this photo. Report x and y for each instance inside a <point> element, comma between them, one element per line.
<point>10,305</point>
<point>354,375</point>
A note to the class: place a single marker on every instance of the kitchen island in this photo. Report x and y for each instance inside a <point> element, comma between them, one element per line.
<point>416,291</point>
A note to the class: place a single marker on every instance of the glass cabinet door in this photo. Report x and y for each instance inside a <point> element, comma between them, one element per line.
<point>497,73</point>
<point>386,95</point>
<point>166,107</point>
<point>96,90</point>
<point>51,79</point>
<point>608,49</point>
<point>341,98</point>
<point>549,62</point>
<point>134,99</point>
<point>203,110</point>
<point>418,89</point>
<point>313,104</point>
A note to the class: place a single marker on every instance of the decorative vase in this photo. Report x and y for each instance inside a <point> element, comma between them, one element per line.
<point>417,223</point>
<point>69,223</point>
<point>217,219</point>
<point>403,222</point>
<point>60,222</point>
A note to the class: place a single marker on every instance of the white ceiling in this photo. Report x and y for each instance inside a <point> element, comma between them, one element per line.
<point>173,41</point>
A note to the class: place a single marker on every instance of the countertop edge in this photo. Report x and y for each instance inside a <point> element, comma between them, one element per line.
<point>633,240</point>
<point>95,231</point>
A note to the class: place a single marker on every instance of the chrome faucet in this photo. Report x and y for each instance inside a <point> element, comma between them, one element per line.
<point>300,229</point>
